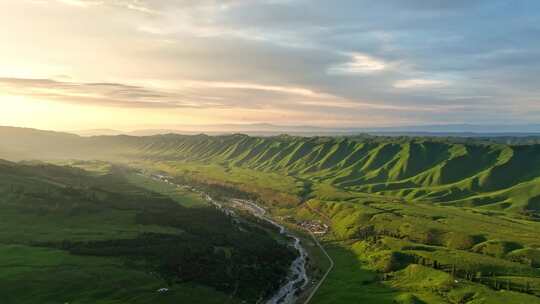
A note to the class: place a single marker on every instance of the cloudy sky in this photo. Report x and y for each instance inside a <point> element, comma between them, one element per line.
<point>131,64</point>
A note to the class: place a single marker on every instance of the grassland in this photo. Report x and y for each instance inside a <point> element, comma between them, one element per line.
<point>110,236</point>
<point>495,244</point>
<point>182,196</point>
<point>483,239</point>
<point>349,282</point>
<point>481,175</point>
<point>412,220</point>
<point>41,275</point>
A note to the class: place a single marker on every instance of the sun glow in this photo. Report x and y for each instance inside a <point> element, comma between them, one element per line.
<point>23,111</point>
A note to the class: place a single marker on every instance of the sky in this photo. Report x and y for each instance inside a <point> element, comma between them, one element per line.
<point>133,64</point>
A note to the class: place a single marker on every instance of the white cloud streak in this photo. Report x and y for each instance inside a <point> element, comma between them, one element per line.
<point>359,64</point>
<point>419,83</point>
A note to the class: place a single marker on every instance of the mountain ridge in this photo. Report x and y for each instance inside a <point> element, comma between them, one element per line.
<point>497,176</point>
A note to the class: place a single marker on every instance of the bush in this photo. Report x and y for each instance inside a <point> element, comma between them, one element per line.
<point>461,241</point>
<point>389,261</point>
<point>459,296</point>
<point>408,298</point>
<point>421,234</point>
<point>496,248</point>
<point>528,256</point>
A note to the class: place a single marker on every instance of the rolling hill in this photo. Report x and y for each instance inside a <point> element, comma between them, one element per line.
<point>73,236</point>
<point>412,220</point>
<point>503,177</point>
<point>496,176</point>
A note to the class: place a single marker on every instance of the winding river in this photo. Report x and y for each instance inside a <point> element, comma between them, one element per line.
<point>297,279</point>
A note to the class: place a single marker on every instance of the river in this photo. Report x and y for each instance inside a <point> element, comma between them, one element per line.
<point>297,278</point>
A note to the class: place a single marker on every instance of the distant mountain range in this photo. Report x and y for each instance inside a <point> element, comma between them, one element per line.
<point>262,129</point>
<point>470,173</point>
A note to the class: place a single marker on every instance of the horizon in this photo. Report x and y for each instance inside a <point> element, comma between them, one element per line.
<point>139,64</point>
<point>266,129</point>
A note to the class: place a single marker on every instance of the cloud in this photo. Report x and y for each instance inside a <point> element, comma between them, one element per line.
<point>190,94</point>
<point>80,3</point>
<point>419,83</point>
<point>103,94</point>
<point>186,93</point>
<point>359,64</point>
<point>253,86</point>
<point>361,57</point>
<point>134,5</point>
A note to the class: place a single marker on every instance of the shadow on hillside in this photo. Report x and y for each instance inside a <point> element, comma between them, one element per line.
<point>351,282</point>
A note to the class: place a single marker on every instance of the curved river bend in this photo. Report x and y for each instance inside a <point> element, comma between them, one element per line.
<point>297,279</point>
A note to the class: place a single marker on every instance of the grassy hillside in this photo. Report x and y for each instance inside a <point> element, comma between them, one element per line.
<point>494,176</point>
<point>377,244</point>
<point>475,175</point>
<point>412,220</point>
<point>71,236</point>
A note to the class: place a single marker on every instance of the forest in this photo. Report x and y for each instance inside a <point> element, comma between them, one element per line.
<point>142,230</point>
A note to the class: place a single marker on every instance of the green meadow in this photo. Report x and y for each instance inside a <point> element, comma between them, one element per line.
<point>107,235</point>
<point>412,220</point>
<point>40,275</point>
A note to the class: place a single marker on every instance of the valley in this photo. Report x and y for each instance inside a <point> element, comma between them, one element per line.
<point>297,279</point>
<point>404,220</point>
<point>77,236</point>
<point>269,152</point>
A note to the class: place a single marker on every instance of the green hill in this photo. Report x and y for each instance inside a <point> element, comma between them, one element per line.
<point>412,220</point>
<point>71,236</point>
<point>496,176</point>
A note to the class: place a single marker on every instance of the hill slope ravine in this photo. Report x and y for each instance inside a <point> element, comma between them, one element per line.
<point>496,176</point>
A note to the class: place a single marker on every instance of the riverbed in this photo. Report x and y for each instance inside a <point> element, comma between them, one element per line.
<point>297,279</point>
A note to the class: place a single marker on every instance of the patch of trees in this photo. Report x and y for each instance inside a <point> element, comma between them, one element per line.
<point>252,267</point>
<point>219,191</point>
<point>491,278</point>
<point>223,190</point>
<point>210,248</point>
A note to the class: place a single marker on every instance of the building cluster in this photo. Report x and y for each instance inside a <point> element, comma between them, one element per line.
<point>315,227</point>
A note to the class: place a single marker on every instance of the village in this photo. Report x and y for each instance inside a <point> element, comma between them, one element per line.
<point>316,227</point>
